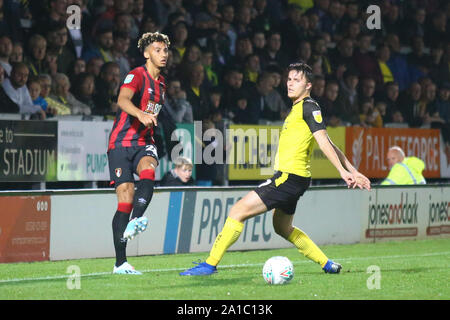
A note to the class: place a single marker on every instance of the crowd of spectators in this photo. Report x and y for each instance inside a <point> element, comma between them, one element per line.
<point>227,58</point>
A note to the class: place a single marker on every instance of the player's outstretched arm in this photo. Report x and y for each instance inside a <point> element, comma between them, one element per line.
<point>327,148</point>
<point>125,103</point>
<point>361,181</point>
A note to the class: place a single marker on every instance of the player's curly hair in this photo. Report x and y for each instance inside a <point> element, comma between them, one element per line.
<point>150,37</point>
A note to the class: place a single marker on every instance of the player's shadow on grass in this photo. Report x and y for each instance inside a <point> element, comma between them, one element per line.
<point>402,270</point>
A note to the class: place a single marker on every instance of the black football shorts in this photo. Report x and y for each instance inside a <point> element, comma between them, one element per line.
<point>282,191</point>
<point>123,162</point>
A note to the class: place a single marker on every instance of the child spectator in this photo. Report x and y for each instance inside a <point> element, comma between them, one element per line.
<point>179,176</point>
<point>34,87</point>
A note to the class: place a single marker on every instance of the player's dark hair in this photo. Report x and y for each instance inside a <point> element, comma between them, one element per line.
<point>150,37</point>
<point>302,67</point>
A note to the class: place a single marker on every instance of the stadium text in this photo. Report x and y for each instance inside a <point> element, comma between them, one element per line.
<point>402,213</point>
<point>213,215</point>
<point>438,218</point>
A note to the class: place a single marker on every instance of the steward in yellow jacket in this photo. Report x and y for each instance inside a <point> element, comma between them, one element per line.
<point>404,170</point>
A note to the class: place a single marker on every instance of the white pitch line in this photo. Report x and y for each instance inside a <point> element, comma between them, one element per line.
<point>223,267</point>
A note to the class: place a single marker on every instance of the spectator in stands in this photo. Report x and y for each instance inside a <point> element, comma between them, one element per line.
<point>61,94</point>
<point>10,22</point>
<point>330,22</point>
<point>179,109</point>
<point>414,26</point>
<point>365,61</point>
<point>192,55</point>
<point>391,99</point>
<point>440,58</point>
<point>428,101</point>
<point>381,106</point>
<point>180,175</point>
<point>57,43</point>
<point>252,68</point>
<point>318,87</point>
<point>7,105</point>
<point>16,89</point>
<point>329,106</point>
<point>402,72</point>
<point>123,22</point>
<point>319,51</point>
<point>353,30</point>
<point>119,52</point>
<point>443,102</point>
<point>384,73</point>
<point>367,88</point>
<point>369,116</point>
<point>258,41</point>
<point>242,21</point>
<point>215,96</point>
<point>227,32</point>
<point>240,110</point>
<point>304,51</point>
<point>79,66</point>
<point>258,107</point>
<point>437,29</point>
<point>391,20</point>
<point>56,15</point>
<point>417,57</point>
<point>53,107</point>
<point>83,87</point>
<point>5,53</point>
<point>77,38</point>
<point>94,65</point>
<point>409,103</point>
<point>138,15</point>
<point>102,47</point>
<point>107,90</point>
<point>348,100</point>
<point>17,53</point>
<point>232,84</point>
<point>34,88</point>
<point>196,92</point>
<point>243,49</point>
<point>207,60</point>
<point>341,57</point>
<point>37,47</point>
<point>272,53</point>
<point>179,37</point>
<point>291,29</point>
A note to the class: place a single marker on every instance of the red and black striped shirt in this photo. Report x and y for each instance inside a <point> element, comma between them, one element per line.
<point>128,131</point>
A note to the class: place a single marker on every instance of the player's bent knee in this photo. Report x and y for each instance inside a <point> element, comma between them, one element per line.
<point>125,192</point>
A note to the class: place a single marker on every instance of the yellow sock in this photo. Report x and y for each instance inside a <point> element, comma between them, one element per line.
<point>306,246</point>
<point>229,234</point>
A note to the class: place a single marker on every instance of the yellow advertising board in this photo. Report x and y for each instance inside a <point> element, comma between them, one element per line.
<point>252,149</point>
<point>321,167</point>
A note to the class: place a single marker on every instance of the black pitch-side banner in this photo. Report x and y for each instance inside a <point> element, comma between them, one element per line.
<point>28,150</point>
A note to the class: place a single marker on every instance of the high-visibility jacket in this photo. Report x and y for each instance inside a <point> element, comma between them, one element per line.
<point>409,171</point>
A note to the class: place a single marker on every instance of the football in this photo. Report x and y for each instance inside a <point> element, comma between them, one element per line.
<point>278,270</point>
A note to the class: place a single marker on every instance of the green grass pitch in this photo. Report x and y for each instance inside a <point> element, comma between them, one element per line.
<point>407,270</point>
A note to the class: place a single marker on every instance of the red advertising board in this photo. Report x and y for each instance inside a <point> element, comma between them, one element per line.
<point>24,228</point>
<point>367,148</point>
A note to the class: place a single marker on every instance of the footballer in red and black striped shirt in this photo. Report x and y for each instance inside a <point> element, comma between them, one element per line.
<point>131,148</point>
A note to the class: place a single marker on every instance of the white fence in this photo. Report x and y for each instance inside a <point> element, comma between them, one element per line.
<point>59,225</point>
